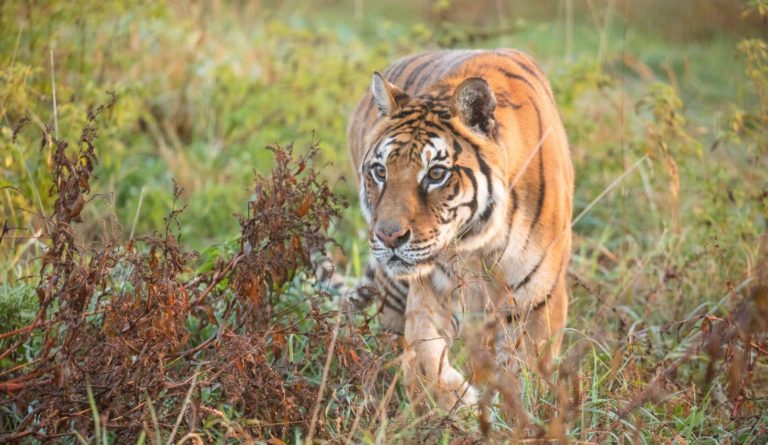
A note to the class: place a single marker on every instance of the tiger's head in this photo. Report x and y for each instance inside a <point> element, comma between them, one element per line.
<point>431,177</point>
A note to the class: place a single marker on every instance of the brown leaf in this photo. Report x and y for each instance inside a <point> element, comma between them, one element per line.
<point>76,207</point>
<point>305,204</point>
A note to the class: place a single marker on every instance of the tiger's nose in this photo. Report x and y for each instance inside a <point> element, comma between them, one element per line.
<point>392,234</point>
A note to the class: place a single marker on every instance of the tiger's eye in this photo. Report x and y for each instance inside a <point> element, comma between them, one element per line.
<point>379,171</point>
<point>437,173</point>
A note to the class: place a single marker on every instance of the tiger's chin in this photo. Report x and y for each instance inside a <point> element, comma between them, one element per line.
<point>399,268</point>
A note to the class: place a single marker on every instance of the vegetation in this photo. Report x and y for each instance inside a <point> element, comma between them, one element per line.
<point>157,227</point>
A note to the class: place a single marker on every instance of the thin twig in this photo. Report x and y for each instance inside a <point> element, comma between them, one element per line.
<point>385,401</point>
<point>218,277</point>
<point>610,187</point>
<point>530,157</point>
<point>138,210</point>
<point>184,406</point>
<point>53,87</point>
<point>324,381</point>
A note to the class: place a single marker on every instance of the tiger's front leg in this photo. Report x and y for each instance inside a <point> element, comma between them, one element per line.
<point>428,335</point>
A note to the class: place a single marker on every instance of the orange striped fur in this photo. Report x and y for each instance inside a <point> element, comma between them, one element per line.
<point>466,182</point>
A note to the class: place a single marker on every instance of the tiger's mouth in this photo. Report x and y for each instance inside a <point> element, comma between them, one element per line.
<point>398,267</point>
<point>412,259</point>
<point>395,260</point>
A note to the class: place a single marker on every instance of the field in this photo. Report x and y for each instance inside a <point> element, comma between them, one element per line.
<point>167,170</point>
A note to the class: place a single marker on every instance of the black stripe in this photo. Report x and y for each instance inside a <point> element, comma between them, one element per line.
<point>486,170</point>
<point>423,247</point>
<point>423,194</point>
<point>530,274</point>
<point>429,76</point>
<point>454,192</point>
<point>472,203</point>
<point>542,193</point>
<point>372,150</point>
<point>535,307</point>
<point>403,123</point>
<point>542,181</point>
<point>394,301</point>
<point>370,272</point>
<point>385,301</point>
<point>503,101</point>
<point>402,285</point>
<point>456,150</point>
<point>400,128</point>
<point>511,212</point>
<point>538,117</point>
<point>485,215</point>
<point>458,63</point>
<point>438,126</point>
<point>398,68</point>
<point>415,73</point>
<point>516,55</point>
<point>441,157</point>
<point>381,195</point>
<point>391,294</point>
<point>514,201</point>
<point>530,71</point>
<point>449,62</point>
<point>392,286</point>
<point>541,303</point>
<point>559,274</point>
<point>443,269</point>
<point>511,75</point>
<point>488,210</point>
<point>442,60</point>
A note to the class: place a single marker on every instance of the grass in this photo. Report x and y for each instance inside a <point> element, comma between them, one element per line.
<point>666,115</point>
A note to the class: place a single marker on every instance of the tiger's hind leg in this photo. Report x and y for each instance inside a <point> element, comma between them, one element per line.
<point>535,336</point>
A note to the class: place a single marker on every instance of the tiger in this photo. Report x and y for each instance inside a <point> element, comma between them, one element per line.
<point>466,184</point>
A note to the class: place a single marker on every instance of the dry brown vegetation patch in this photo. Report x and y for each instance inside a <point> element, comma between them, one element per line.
<point>153,341</point>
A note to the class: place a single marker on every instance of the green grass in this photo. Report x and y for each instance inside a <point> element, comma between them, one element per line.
<point>205,87</point>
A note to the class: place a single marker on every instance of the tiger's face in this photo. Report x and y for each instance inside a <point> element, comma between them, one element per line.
<point>428,180</point>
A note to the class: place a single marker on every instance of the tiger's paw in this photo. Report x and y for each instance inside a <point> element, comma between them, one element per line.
<point>450,393</point>
<point>453,391</point>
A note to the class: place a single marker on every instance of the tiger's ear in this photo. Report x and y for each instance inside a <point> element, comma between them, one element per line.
<point>474,103</point>
<point>387,96</point>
